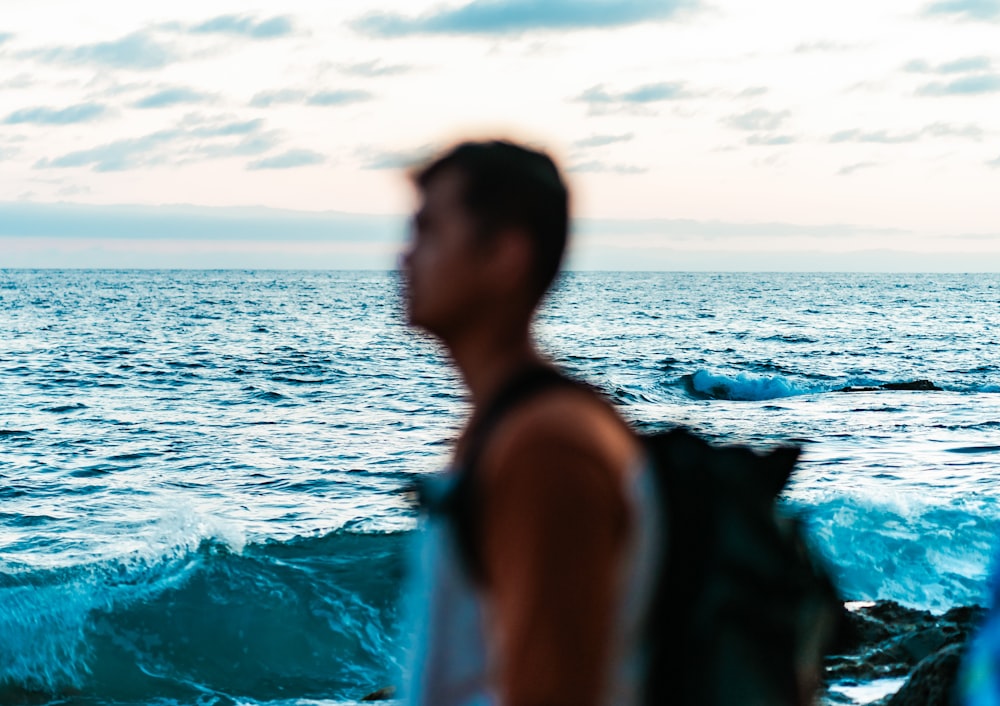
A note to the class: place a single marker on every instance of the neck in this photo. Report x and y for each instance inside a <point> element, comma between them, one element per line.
<point>487,360</point>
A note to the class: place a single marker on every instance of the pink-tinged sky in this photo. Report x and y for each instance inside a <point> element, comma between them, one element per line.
<point>697,135</point>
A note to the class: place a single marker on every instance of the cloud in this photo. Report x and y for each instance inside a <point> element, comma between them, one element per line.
<point>973,85</point>
<point>965,9</point>
<point>246,26</point>
<point>503,17</point>
<point>192,223</point>
<point>878,136</point>
<point>394,159</point>
<point>969,132</point>
<point>757,119</point>
<point>118,155</point>
<point>226,129</point>
<point>599,167</point>
<point>324,99</point>
<point>772,140</point>
<point>191,141</point>
<point>23,80</point>
<point>289,160</point>
<point>173,96</point>
<point>266,99</point>
<point>137,51</point>
<point>972,63</point>
<point>374,69</point>
<point>649,93</point>
<point>80,113</point>
<point>995,163</point>
<point>974,78</point>
<point>601,140</point>
<point>752,92</point>
<point>77,235</point>
<point>716,230</point>
<point>654,92</point>
<point>601,101</point>
<point>917,66</point>
<point>343,97</point>
<point>963,65</point>
<point>6,37</point>
<point>596,94</point>
<point>857,166</point>
<point>249,146</point>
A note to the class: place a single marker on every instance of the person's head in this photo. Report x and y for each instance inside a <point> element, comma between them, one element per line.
<point>493,221</point>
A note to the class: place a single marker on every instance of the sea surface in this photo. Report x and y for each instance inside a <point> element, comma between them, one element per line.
<point>201,471</point>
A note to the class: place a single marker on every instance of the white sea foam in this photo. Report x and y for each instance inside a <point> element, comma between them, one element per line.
<point>908,548</point>
<point>45,614</point>
<point>869,692</point>
<point>748,386</point>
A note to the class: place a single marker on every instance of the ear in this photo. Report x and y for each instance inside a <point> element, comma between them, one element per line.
<point>511,259</point>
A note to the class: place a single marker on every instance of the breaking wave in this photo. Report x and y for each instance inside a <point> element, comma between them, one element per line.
<point>756,387</point>
<point>309,617</point>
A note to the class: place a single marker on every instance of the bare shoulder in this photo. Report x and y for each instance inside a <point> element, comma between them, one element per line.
<point>567,422</point>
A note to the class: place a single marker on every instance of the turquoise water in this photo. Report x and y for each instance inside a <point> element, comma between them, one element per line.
<point>201,471</point>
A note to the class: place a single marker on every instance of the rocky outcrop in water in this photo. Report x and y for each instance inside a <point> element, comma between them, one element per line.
<point>384,694</point>
<point>932,683</point>
<point>886,640</point>
<point>890,640</point>
<point>918,385</point>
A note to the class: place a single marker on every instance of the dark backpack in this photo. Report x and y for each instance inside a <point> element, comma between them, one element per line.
<point>742,613</point>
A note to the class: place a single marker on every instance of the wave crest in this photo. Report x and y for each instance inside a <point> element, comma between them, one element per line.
<point>742,386</point>
<point>312,617</point>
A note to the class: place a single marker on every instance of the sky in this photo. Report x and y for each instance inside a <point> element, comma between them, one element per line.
<point>695,134</point>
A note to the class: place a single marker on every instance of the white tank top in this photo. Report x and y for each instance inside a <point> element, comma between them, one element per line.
<point>450,663</point>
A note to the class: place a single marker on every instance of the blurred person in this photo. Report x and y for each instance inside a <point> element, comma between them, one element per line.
<point>545,574</point>
<point>531,580</point>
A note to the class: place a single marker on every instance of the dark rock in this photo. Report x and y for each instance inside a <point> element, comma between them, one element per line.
<point>897,616</point>
<point>889,640</point>
<point>933,681</point>
<point>911,385</point>
<point>965,615</point>
<point>923,644</point>
<point>920,385</point>
<point>383,694</point>
<point>868,626</point>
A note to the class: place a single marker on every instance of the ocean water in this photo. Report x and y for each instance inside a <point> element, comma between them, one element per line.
<point>201,472</point>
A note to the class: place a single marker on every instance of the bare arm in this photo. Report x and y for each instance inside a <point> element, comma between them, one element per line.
<point>554,530</point>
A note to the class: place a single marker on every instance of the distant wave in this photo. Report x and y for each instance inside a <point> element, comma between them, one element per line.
<point>743,386</point>
<point>755,387</point>
<point>311,617</point>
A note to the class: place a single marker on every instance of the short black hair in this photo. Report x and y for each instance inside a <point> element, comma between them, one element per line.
<point>508,185</point>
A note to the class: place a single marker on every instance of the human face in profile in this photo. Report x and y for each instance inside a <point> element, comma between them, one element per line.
<point>442,263</point>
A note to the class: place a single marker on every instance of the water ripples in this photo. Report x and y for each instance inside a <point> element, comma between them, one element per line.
<point>291,403</point>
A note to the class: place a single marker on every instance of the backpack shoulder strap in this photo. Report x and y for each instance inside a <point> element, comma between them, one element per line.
<point>462,506</point>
